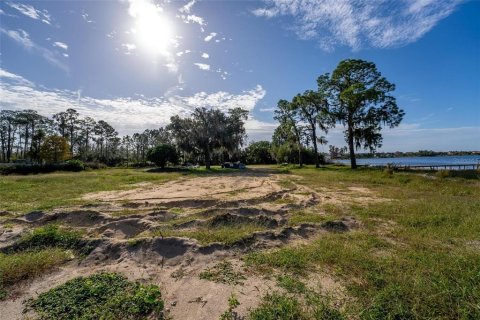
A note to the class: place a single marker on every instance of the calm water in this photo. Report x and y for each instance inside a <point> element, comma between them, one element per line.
<point>417,161</point>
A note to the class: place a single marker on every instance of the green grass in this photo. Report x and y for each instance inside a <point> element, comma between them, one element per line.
<point>25,265</point>
<point>21,194</point>
<point>410,259</point>
<point>276,306</point>
<point>307,216</point>
<point>50,236</point>
<point>100,296</point>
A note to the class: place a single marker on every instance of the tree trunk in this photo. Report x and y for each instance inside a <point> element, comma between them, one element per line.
<point>353,161</point>
<point>207,158</point>
<point>315,147</point>
<point>300,162</point>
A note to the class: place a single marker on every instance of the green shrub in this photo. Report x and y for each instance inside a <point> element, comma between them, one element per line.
<point>74,165</point>
<point>95,165</point>
<point>465,174</point>
<point>100,296</point>
<point>71,165</point>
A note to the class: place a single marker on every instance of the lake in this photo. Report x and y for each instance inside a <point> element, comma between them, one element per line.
<point>416,161</point>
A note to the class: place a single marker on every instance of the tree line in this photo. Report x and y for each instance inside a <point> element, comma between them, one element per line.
<point>354,95</point>
<point>208,135</point>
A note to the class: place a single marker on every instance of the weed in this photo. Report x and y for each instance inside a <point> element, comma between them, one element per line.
<point>100,296</point>
<point>24,265</point>
<point>291,284</point>
<point>51,236</point>
<point>276,306</point>
<point>231,314</point>
<point>177,210</point>
<point>223,272</point>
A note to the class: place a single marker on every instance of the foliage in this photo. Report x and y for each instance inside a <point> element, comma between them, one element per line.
<point>466,174</point>
<point>25,265</point>
<point>362,102</point>
<point>259,153</point>
<point>223,272</point>
<point>230,314</point>
<point>162,154</point>
<point>313,109</point>
<point>290,131</point>
<point>100,296</point>
<point>74,165</point>
<point>54,149</point>
<point>208,130</point>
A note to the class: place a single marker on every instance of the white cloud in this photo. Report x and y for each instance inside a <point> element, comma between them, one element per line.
<point>356,24</point>
<point>129,47</point>
<point>195,19</point>
<point>66,55</point>
<point>205,55</point>
<point>225,100</point>
<point>20,36</point>
<point>85,17</point>
<point>202,66</point>
<point>210,36</point>
<point>61,45</point>
<point>186,8</point>
<point>267,109</point>
<point>127,115</point>
<point>23,38</point>
<point>15,78</point>
<point>31,12</point>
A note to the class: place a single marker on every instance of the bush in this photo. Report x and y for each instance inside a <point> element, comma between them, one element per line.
<point>100,296</point>
<point>466,174</point>
<point>162,154</point>
<point>95,165</point>
<point>71,165</point>
<point>74,165</point>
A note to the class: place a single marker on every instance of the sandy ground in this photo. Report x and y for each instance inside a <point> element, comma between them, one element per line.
<point>114,218</point>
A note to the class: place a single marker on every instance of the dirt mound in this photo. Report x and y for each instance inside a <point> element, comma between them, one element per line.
<point>125,228</point>
<point>343,225</point>
<point>81,218</point>
<point>160,251</point>
<point>228,219</point>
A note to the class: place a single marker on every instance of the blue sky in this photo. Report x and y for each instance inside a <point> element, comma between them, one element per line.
<point>136,63</point>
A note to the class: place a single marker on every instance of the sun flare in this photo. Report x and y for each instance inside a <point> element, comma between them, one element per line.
<point>152,29</point>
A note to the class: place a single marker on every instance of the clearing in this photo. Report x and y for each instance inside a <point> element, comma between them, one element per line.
<point>313,243</point>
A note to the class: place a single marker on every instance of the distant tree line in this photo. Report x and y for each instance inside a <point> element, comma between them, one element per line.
<point>207,136</point>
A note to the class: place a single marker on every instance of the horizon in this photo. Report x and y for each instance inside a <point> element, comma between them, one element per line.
<point>109,61</point>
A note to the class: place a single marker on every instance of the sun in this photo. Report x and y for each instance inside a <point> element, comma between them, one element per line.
<point>152,29</point>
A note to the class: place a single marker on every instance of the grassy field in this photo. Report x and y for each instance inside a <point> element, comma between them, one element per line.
<point>20,194</point>
<point>416,254</point>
